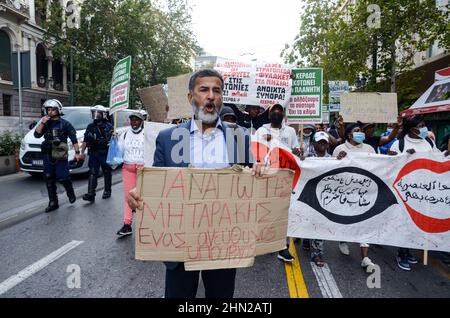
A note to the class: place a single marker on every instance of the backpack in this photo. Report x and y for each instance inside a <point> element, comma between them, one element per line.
<point>401,143</point>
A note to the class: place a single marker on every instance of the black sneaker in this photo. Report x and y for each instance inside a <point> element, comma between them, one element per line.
<point>125,230</point>
<point>411,259</point>
<point>285,256</point>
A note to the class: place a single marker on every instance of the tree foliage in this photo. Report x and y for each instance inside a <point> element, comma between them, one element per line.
<point>347,44</point>
<point>157,35</point>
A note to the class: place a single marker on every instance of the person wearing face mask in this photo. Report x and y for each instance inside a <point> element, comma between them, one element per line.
<point>131,144</point>
<point>413,138</point>
<point>321,144</point>
<point>378,141</point>
<point>354,143</point>
<point>278,133</point>
<point>385,148</point>
<point>96,138</point>
<point>308,133</point>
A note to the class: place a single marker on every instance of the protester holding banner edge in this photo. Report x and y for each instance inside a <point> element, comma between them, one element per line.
<point>354,143</point>
<point>278,132</point>
<point>413,138</point>
<point>321,144</point>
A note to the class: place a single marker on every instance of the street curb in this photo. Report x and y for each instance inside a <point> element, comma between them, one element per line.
<point>38,207</point>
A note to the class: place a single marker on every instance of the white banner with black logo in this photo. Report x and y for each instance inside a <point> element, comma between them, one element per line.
<point>400,201</point>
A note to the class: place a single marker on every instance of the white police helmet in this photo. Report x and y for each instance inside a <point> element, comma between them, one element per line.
<point>144,114</point>
<point>53,103</point>
<point>99,109</point>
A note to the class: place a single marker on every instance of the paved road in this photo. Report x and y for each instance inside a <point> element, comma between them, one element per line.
<point>22,195</point>
<point>84,235</point>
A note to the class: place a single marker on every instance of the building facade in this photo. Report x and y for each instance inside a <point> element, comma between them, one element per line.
<point>43,76</point>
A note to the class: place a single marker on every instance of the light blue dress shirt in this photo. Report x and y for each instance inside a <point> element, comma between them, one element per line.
<point>208,150</point>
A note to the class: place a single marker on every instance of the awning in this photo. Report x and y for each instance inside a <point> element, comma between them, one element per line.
<point>435,99</point>
<point>442,74</point>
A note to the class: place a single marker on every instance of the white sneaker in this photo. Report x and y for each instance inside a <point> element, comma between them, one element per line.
<point>366,262</point>
<point>343,247</point>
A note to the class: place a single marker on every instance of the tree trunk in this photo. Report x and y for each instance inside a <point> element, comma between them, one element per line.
<point>393,68</point>
<point>374,60</point>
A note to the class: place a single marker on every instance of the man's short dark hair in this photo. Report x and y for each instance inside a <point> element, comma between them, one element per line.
<point>204,73</point>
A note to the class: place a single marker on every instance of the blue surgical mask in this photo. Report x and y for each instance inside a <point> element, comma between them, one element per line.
<point>359,137</point>
<point>423,132</point>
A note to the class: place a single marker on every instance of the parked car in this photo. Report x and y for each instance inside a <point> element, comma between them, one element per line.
<point>31,159</point>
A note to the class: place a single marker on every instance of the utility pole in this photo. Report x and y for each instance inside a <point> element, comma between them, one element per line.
<point>19,86</point>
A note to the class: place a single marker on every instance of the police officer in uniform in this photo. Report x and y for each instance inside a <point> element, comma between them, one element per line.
<point>96,138</point>
<point>56,130</point>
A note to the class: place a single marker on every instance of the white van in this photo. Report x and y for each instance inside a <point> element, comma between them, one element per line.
<point>31,159</point>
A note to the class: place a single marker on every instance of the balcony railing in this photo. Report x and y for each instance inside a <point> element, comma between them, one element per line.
<point>16,7</point>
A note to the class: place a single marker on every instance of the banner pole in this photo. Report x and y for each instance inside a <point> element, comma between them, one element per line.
<point>301,137</point>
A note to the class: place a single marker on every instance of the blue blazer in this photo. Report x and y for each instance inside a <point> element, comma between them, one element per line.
<point>169,138</point>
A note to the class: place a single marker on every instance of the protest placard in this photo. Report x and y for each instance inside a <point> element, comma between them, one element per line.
<point>120,86</point>
<point>305,104</point>
<point>177,96</point>
<point>260,84</point>
<point>155,102</point>
<point>238,81</point>
<point>369,107</point>
<point>273,84</point>
<point>211,219</point>
<point>337,88</point>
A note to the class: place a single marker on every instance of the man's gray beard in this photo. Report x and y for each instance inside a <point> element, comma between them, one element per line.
<point>208,119</point>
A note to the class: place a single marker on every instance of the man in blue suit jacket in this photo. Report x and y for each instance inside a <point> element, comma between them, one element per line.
<point>205,142</point>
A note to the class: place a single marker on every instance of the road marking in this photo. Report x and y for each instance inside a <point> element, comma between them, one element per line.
<point>36,267</point>
<point>296,282</point>
<point>326,281</point>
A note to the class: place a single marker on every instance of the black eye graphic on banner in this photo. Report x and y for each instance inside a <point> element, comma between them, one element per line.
<point>359,193</point>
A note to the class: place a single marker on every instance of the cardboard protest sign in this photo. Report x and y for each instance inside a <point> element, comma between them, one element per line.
<point>369,107</point>
<point>305,104</point>
<point>211,219</point>
<point>358,200</point>
<point>260,84</point>
<point>155,101</point>
<point>120,85</point>
<point>178,102</point>
<point>151,131</point>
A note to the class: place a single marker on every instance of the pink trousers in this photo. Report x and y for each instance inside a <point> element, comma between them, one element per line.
<point>129,176</point>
